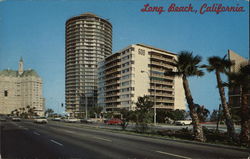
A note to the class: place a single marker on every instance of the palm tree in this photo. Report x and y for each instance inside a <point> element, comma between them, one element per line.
<point>187,65</point>
<point>241,79</point>
<point>221,65</point>
<point>49,112</point>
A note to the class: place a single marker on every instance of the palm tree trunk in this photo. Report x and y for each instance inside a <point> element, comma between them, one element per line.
<point>244,134</point>
<point>229,121</point>
<point>197,128</point>
<point>219,118</point>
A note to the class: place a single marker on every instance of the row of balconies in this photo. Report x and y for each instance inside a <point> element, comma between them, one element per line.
<point>75,36</point>
<point>161,58</point>
<point>161,82</point>
<point>115,63</point>
<point>162,88</point>
<point>162,76</point>
<point>113,71</point>
<point>88,47</point>
<point>115,76</point>
<point>72,27</point>
<point>162,64</point>
<point>80,38</point>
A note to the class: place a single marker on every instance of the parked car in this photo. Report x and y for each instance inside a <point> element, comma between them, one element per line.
<point>114,122</point>
<point>16,119</point>
<point>183,122</point>
<point>86,121</point>
<point>56,119</point>
<point>3,118</point>
<point>41,120</point>
<point>70,120</point>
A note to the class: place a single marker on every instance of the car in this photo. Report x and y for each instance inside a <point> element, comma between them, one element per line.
<point>41,120</point>
<point>70,120</point>
<point>114,122</point>
<point>183,122</point>
<point>3,119</point>
<point>16,119</point>
<point>56,119</point>
<point>87,121</point>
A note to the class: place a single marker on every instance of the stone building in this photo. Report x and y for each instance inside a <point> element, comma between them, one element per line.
<point>19,89</point>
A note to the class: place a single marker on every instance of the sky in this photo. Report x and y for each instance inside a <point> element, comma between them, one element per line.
<point>35,31</point>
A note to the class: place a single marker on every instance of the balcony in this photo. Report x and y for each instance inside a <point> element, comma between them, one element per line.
<point>162,64</point>
<point>162,58</point>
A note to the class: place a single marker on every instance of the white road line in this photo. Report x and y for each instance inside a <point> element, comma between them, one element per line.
<point>170,154</point>
<point>99,138</point>
<point>71,132</point>
<point>58,143</point>
<point>36,133</point>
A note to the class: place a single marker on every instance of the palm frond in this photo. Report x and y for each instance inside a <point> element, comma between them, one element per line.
<point>173,73</point>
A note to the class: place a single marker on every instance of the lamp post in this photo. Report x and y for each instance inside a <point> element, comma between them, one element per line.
<point>142,71</point>
<point>86,107</point>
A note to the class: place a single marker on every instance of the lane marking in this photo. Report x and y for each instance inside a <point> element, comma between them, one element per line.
<point>99,138</point>
<point>68,131</point>
<point>166,153</point>
<point>55,142</point>
<point>36,133</point>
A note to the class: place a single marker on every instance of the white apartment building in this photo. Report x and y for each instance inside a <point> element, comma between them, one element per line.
<point>138,70</point>
<point>19,89</point>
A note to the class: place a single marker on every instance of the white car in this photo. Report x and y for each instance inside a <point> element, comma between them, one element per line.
<point>41,120</point>
<point>71,120</point>
<point>16,119</point>
<point>56,119</point>
<point>183,122</point>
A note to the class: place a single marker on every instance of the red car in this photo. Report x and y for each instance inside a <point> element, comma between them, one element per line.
<point>114,122</point>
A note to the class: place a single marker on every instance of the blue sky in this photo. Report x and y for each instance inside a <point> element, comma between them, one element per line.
<point>35,30</point>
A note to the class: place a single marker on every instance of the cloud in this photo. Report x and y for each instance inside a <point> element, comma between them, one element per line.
<point>2,0</point>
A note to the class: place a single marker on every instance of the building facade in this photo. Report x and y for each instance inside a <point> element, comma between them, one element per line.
<point>88,40</point>
<point>19,89</point>
<point>234,92</point>
<point>138,70</point>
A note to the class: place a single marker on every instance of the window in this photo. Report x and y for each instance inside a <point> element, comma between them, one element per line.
<point>5,93</point>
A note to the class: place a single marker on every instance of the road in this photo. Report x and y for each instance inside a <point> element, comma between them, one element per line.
<point>56,140</point>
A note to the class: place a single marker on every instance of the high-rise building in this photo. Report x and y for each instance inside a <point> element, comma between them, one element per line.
<point>135,71</point>
<point>234,92</point>
<point>88,40</point>
<point>20,90</point>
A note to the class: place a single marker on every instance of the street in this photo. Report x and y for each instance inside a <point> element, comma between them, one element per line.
<point>54,140</point>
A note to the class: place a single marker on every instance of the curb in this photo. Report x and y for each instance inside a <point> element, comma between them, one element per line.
<point>169,139</point>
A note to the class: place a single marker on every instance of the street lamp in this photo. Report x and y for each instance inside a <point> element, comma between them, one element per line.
<point>154,96</point>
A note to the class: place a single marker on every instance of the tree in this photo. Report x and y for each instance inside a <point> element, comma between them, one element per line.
<point>221,65</point>
<point>176,114</point>
<point>125,117</point>
<point>49,112</point>
<point>214,116</point>
<point>187,65</point>
<point>143,113</point>
<point>202,112</point>
<point>242,79</point>
<point>95,111</point>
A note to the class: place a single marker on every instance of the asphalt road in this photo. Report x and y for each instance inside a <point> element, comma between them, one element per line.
<point>56,140</point>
